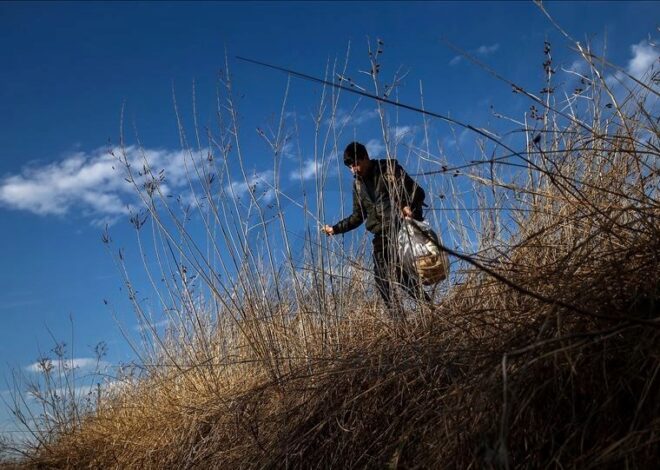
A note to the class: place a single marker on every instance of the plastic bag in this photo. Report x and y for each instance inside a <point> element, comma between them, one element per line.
<point>420,252</point>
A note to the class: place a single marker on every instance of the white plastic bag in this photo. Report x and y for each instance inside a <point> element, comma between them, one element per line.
<point>420,252</point>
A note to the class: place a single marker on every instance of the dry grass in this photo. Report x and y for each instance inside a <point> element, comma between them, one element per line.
<point>543,351</point>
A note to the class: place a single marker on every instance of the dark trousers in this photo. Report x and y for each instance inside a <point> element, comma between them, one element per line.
<point>388,272</point>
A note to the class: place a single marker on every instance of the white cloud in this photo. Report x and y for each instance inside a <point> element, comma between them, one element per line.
<point>81,363</point>
<point>93,183</point>
<point>460,139</point>
<point>288,149</point>
<point>487,50</point>
<point>578,66</point>
<point>644,57</point>
<point>482,50</point>
<point>343,118</point>
<point>375,148</point>
<point>150,326</point>
<point>307,171</point>
<point>455,60</point>
<point>260,184</point>
<point>644,60</point>
<point>78,392</point>
<point>403,131</point>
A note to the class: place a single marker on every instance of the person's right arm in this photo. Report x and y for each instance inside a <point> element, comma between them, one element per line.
<point>352,221</point>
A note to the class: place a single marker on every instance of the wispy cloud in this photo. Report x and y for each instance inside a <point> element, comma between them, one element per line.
<point>156,325</point>
<point>578,66</point>
<point>403,131</point>
<point>455,60</point>
<point>92,183</point>
<point>343,118</point>
<point>459,140</point>
<point>644,56</point>
<point>259,183</point>
<point>308,170</point>
<point>80,363</point>
<point>483,51</point>
<point>288,149</point>
<point>487,50</point>
<point>375,148</point>
<point>78,392</point>
<point>645,59</point>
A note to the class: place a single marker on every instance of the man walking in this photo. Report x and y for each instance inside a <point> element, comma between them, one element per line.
<point>383,194</point>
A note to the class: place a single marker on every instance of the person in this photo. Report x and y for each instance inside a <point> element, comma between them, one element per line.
<point>383,194</point>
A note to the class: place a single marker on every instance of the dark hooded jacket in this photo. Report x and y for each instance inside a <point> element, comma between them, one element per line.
<point>379,197</point>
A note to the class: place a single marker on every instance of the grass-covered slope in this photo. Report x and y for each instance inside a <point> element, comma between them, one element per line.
<point>544,350</point>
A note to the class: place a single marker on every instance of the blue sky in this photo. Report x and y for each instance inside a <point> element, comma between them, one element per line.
<point>68,68</point>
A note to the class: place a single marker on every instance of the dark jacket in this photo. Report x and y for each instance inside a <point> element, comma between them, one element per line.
<point>379,198</point>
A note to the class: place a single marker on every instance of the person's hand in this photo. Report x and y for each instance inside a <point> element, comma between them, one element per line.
<point>407,212</point>
<point>328,230</point>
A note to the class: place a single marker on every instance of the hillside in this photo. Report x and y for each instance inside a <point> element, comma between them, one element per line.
<point>541,351</point>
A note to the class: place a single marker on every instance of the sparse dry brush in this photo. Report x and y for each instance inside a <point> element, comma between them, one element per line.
<point>542,352</point>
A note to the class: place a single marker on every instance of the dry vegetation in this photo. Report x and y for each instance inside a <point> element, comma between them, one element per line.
<point>543,350</point>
